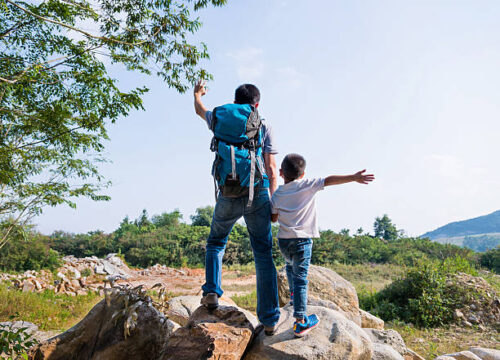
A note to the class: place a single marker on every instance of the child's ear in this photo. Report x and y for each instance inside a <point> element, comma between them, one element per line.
<point>281,173</point>
<point>302,176</point>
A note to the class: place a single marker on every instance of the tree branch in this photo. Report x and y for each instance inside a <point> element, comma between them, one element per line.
<point>103,38</point>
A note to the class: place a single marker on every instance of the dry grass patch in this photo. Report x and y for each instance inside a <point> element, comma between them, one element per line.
<point>48,310</point>
<point>444,340</point>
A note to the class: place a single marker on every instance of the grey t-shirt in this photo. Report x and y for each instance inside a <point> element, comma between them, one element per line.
<point>296,208</point>
<point>267,134</point>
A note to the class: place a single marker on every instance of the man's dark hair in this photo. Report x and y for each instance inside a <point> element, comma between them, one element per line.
<point>293,166</point>
<point>247,94</point>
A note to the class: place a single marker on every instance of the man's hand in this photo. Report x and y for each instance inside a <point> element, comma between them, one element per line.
<point>199,91</point>
<point>362,178</point>
<point>199,88</point>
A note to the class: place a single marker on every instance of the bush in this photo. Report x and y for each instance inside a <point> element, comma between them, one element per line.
<point>422,296</point>
<point>15,343</point>
<point>491,259</point>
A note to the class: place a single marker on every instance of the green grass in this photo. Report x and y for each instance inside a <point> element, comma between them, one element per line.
<point>248,301</point>
<point>240,270</point>
<point>372,277</point>
<point>48,310</point>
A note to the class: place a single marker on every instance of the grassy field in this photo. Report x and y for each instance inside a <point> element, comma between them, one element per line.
<point>47,310</point>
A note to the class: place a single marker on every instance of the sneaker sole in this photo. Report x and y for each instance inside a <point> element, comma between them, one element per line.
<point>306,331</point>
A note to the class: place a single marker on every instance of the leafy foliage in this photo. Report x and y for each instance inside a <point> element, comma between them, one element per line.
<point>491,259</point>
<point>422,296</point>
<point>15,343</point>
<point>56,97</point>
<point>384,228</point>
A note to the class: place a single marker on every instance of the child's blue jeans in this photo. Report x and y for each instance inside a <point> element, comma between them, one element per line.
<point>297,254</point>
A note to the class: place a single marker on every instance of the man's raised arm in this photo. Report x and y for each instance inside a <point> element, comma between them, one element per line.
<point>199,91</point>
<point>271,171</point>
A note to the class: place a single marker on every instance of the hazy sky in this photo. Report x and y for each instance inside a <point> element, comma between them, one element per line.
<point>409,90</point>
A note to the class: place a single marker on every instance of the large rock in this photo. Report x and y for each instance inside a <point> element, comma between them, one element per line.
<point>335,338</point>
<point>486,354</point>
<point>325,284</point>
<point>223,333</point>
<point>102,334</point>
<point>385,352</point>
<point>462,355</point>
<point>370,321</point>
<point>388,337</point>
<point>181,308</point>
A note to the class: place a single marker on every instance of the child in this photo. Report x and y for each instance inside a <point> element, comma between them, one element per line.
<point>293,206</point>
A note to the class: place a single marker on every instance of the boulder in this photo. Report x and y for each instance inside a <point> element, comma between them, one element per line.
<point>370,321</point>
<point>412,355</point>
<point>128,325</point>
<point>387,337</point>
<point>181,308</point>
<point>486,354</point>
<point>325,284</point>
<point>15,326</point>
<point>385,352</point>
<point>336,338</point>
<point>314,301</point>
<point>223,333</point>
<point>462,355</point>
<point>28,286</point>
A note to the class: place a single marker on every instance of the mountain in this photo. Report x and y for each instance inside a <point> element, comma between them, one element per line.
<point>480,233</point>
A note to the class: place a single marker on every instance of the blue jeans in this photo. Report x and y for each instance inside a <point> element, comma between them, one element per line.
<point>258,219</point>
<point>297,254</point>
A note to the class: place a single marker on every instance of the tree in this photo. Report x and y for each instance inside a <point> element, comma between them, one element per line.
<point>203,216</point>
<point>56,97</point>
<point>384,228</point>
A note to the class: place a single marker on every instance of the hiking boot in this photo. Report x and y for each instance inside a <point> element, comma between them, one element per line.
<point>310,322</point>
<point>210,301</point>
<point>268,330</point>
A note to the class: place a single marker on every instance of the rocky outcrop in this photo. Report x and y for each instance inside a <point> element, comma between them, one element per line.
<point>220,334</point>
<point>480,309</point>
<point>385,352</point>
<point>486,354</point>
<point>335,338</point>
<point>181,308</point>
<point>69,279</point>
<point>474,353</point>
<point>370,321</point>
<point>325,284</point>
<point>462,355</point>
<point>125,322</point>
<point>387,337</point>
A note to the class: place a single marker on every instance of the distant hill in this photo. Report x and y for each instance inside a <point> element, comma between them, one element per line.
<point>480,233</point>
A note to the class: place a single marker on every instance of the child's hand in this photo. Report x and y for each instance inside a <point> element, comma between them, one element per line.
<point>199,88</point>
<point>363,178</point>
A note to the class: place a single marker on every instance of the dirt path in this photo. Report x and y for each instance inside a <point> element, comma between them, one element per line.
<point>186,281</point>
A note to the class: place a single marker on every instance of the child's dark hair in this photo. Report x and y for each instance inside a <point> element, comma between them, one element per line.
<point>293,166</point>
<point>247,94</point>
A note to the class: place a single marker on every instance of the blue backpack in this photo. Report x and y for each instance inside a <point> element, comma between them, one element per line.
<point>238,166</point>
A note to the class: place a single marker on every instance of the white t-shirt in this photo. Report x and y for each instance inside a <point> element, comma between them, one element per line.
<point>296,208</point>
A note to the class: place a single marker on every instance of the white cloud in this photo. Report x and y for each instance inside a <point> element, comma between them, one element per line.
<point>249,64</point>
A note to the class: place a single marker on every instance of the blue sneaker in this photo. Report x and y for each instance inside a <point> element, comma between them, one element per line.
<point>300,329</point>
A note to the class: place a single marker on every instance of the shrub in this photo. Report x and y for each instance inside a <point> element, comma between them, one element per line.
<point>422,296</point>
<point>15,343</point>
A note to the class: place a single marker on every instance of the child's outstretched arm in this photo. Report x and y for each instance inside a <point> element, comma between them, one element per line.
<point>199,91</point>
<point>358,177</point>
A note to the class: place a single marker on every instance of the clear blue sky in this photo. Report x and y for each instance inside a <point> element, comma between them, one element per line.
<point>409,90</point>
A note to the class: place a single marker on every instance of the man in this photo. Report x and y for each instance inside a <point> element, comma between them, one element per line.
<point>255,209</point>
